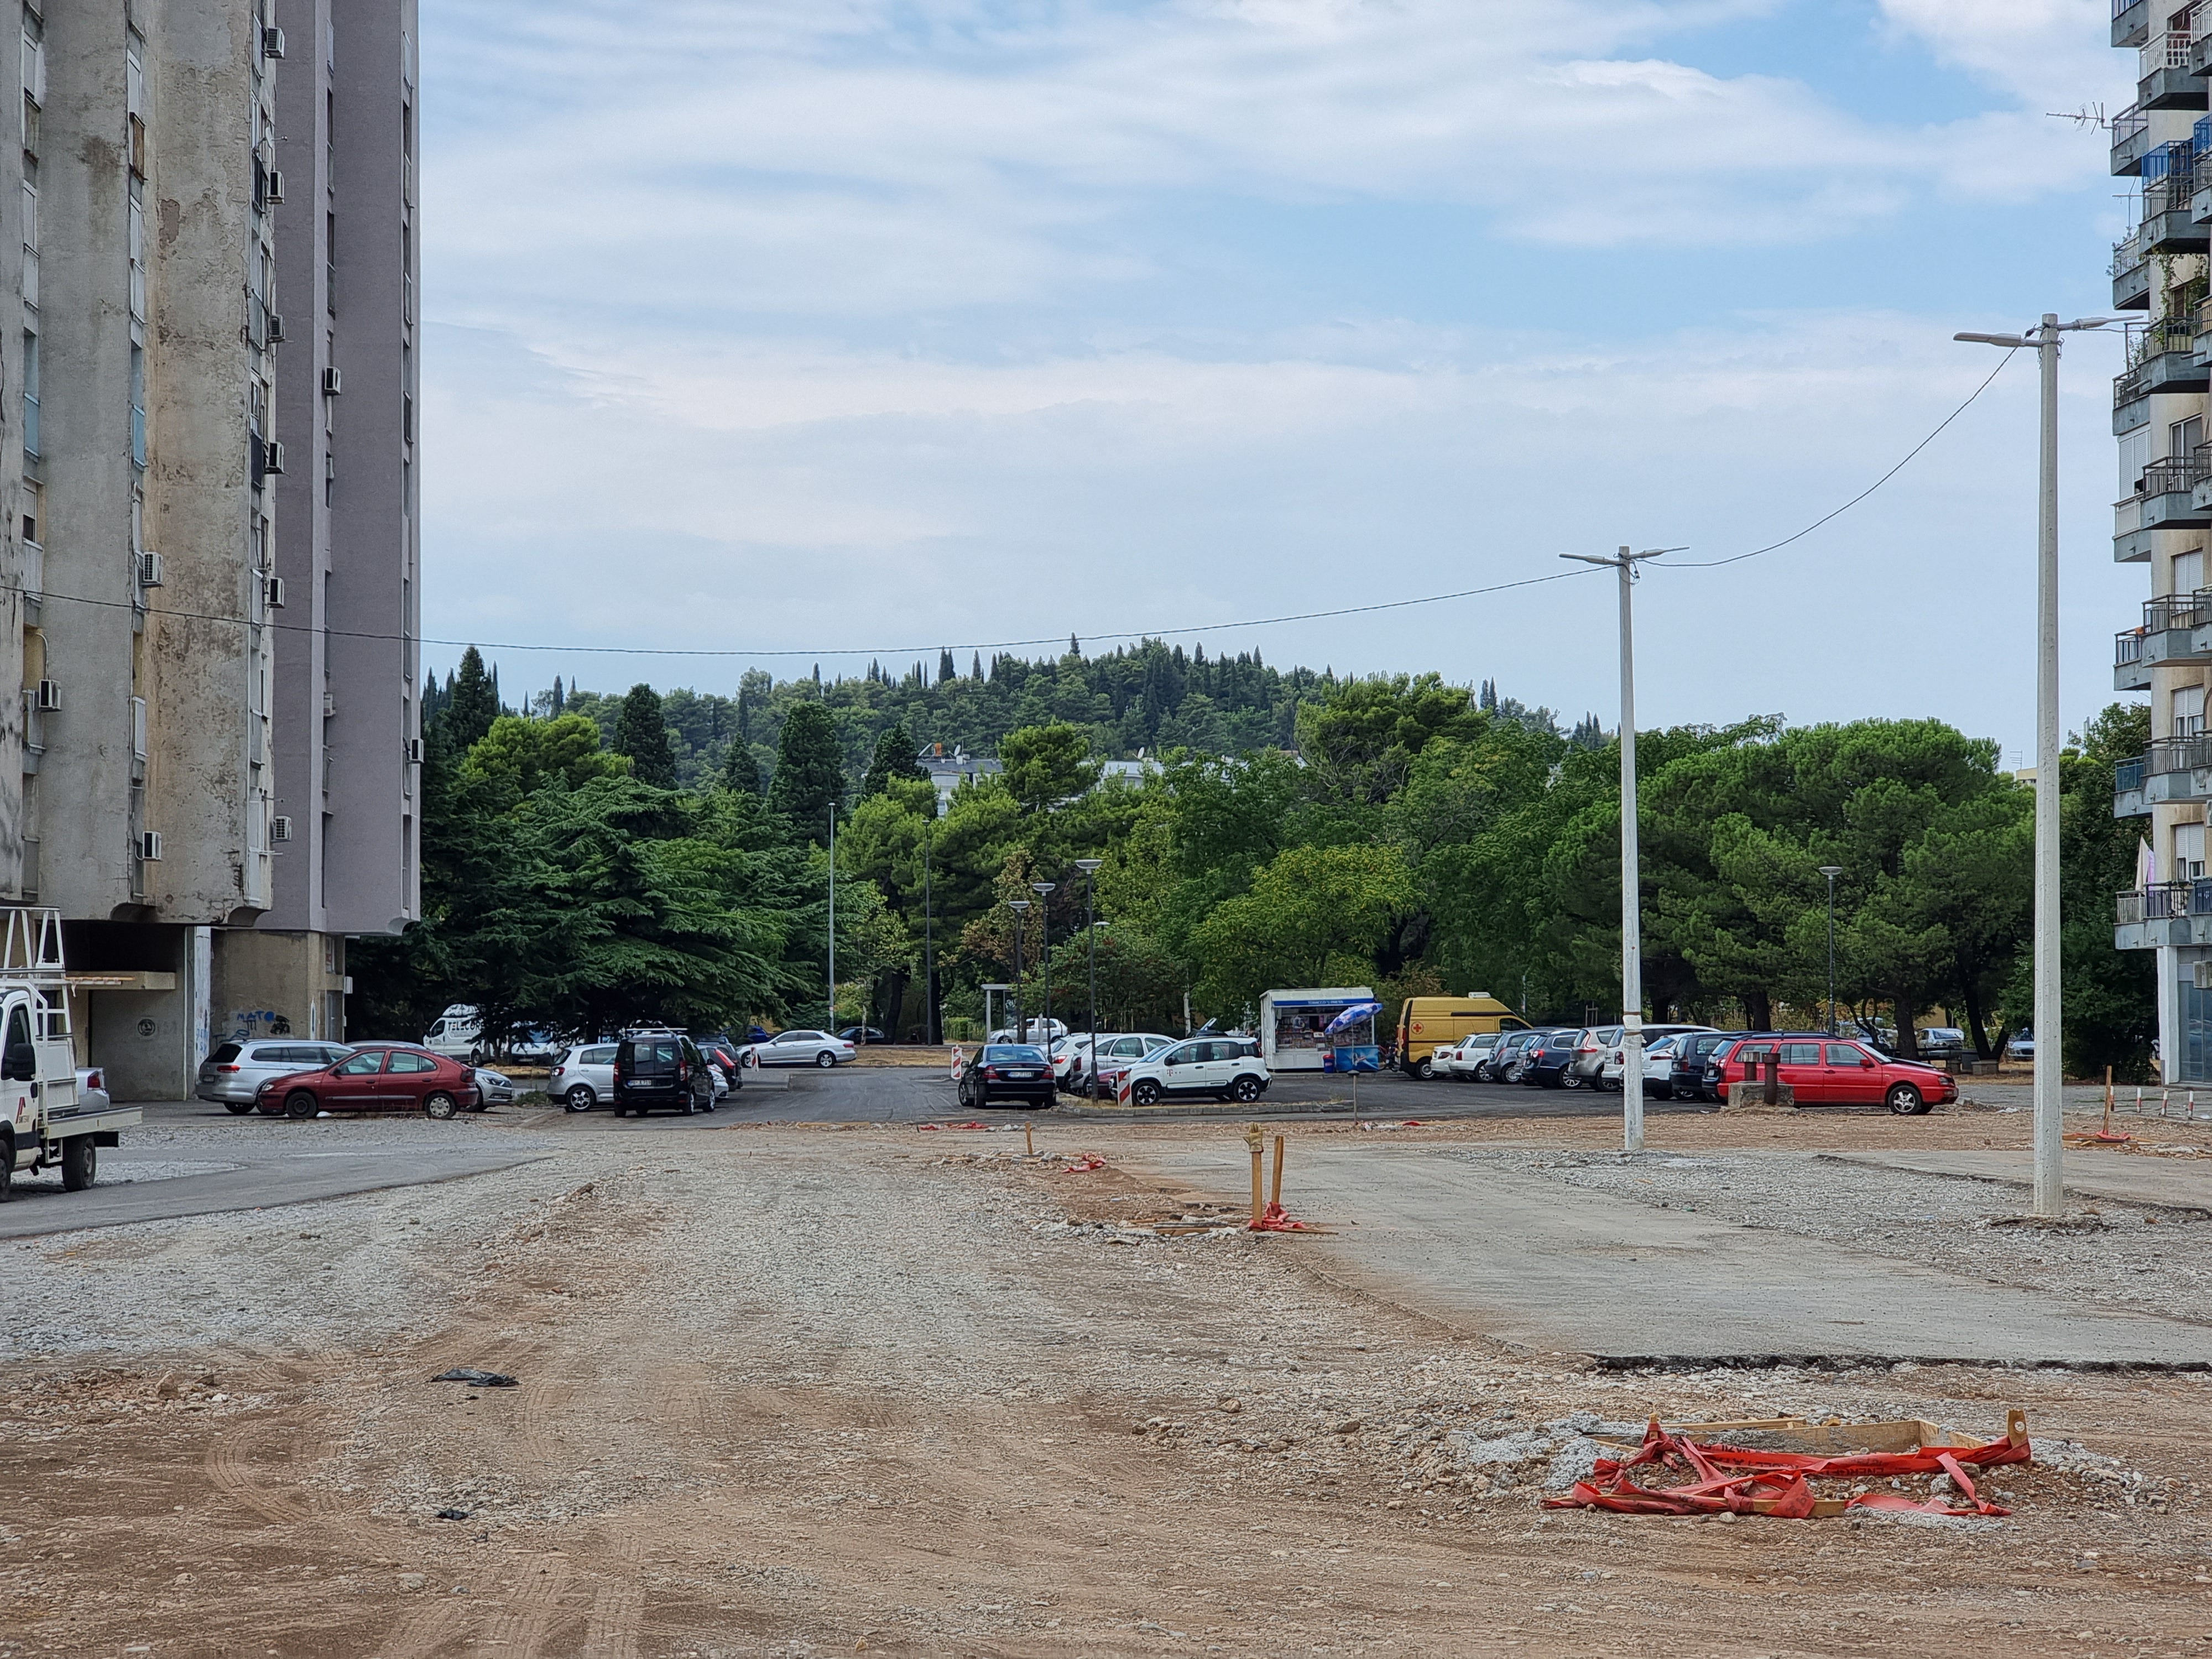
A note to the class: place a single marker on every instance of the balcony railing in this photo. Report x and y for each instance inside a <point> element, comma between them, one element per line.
<point>2177,610</point>
<point>2119,6</point>
<point>2127,647</point>
<point>2170,755</point>
<point>2128,776</point>
<point>2166,901</point>
<point>2127,252</point>
<point>2132,121</point>
<point>2177,332</point>
<point>2166,50</point>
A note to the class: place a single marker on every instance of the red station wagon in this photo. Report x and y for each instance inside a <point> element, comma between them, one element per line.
<point>1825,1071</point>
<point>395,1079</point>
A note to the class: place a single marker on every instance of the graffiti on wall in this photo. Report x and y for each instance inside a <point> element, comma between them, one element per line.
<point>247,1023</point>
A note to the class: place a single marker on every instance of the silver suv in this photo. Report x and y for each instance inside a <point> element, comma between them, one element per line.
<point>233,1075</point>
<point>585,1077</point>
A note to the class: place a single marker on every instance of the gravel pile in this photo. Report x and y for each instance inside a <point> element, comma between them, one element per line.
<point>2126,1257</point>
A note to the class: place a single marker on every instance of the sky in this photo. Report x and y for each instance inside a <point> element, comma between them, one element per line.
<point>821,331</point>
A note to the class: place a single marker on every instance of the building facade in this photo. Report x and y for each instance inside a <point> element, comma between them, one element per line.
<point>169,663</point>
<point>2164,513</point>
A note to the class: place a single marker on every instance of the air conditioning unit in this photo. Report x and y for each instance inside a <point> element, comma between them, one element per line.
<point>414,751</point>
<point>276,318</point>
<point>272,43</point>
<point>280,828</point>
<point>333,382</point>
<point>50,696</point>
<point>274,193</point>
<point>272,589</point>
<point>149,570</point>
<point>150,846</point>
<point>273,456</point>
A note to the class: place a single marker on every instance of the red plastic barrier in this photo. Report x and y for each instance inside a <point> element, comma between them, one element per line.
<point>1745,1482</point>
<point>1274,1220</point>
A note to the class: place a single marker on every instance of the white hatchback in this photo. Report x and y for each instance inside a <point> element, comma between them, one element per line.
<point>1462,1061</point>
<point>585,1077</point>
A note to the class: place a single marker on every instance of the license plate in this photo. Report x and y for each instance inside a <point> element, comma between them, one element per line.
<point>1019,1077</point>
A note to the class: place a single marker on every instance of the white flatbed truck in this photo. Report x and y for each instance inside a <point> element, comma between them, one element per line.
<point>43,1122</point>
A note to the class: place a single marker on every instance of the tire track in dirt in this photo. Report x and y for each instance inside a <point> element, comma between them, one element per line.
<point>237,1465</point>
<point>535,1621</point>
<point>618,1606</point>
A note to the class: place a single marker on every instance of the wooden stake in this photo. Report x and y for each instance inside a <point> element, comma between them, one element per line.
<point>1029,1138</point>
<point>1275,1192</point>
<point>1257,1142</point>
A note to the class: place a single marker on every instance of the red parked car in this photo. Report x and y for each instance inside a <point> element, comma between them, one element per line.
<point>1825,1071</point>
<point>382,1079</point>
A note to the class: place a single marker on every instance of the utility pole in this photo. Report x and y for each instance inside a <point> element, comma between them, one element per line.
<point>1018,906</point>
<point>1043,890</point>
<point>1832,870</point>
<point>1090,868</point>
<point>2049,1075</point>
<point>929,1022</point>
<point>833,919</point>
<point>1631,895</point>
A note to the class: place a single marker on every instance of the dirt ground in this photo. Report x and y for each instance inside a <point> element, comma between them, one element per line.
<point>809,1390</point>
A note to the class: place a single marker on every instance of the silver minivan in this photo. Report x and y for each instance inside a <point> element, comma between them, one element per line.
<point>585,1077</point>
<point>233,1074</point>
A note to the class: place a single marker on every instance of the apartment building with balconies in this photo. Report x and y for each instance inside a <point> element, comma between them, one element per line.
<point>2163,517</point>
<point>348,541</point>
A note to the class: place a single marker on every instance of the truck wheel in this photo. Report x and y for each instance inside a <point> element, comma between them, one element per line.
<point>302,1102</point>
<point>439,1106</point>
<point>80,1164</point>
<point>1425,1067</point>
<point>581,1098</point>
<point>238,1107</point>
<point>7,1166</point>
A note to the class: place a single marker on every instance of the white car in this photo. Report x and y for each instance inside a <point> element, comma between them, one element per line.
<point>801,1048</point>
<point>1658,1067</point>
<point>584,1077</point>
<point>1221,1068</point>
<point>1460,1060</point>
<point>1611,1065</point>
<point>457,1034</point>
<point>1070,1056</point>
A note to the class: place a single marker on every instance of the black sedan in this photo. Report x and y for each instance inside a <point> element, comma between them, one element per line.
<point>1007,1071</point>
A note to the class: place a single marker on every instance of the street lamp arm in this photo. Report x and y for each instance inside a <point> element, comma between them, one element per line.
<point>2011,341</point>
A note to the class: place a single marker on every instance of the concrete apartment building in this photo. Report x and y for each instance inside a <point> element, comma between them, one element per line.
<point>189,747</point>
<point>2164,511</point>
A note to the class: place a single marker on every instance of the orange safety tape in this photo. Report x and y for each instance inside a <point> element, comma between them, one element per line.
<point>1085,1165</point>
<point>1274,1220</point>
<point>1776,1483</point>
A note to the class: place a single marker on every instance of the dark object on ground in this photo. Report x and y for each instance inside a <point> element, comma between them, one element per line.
<point>476,1378</point>
<point>453,1515</point>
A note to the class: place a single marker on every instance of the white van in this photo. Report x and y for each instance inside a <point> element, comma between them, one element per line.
<point>457,1034</point>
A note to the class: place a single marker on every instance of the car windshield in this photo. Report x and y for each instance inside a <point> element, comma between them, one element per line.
<point>1014,1054</point>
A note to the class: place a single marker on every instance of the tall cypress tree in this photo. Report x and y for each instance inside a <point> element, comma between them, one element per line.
<point>641,732</point>
<point>471,703</point>
<point>894,759</point>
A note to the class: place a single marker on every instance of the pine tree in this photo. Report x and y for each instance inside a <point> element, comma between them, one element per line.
<point>894,759</point>
<point>740,771</point>
<point>560,698</point>
<point>1074,645</point>
<point>810,770</point>
<point>945,670</point>
<point>641,732</point>
<point>975,669</point>
<point>471,703</point>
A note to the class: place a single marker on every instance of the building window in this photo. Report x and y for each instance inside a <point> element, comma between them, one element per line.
<point>138,405</point>
<point>2186,716</point>
<point>30,392</point>
<point>2188,571</point>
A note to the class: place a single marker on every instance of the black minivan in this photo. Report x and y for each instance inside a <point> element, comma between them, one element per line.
<point>661,1068</point>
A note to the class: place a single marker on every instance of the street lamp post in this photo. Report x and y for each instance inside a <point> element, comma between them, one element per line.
<point>1832,870</point>
<point>833,919</point>
<point>929,1021</point>
<point>1043,890</point>
<point>1632,895</point>
<point>1090,868</point>
<point>2050,1078</point>
<point>1019,907</point>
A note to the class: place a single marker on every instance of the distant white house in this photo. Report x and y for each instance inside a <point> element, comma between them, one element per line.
<point>949,770</point>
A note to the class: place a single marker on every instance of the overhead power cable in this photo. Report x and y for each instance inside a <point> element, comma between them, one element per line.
<point>1010,645</point>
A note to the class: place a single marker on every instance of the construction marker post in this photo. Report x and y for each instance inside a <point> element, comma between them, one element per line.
<point>1275,1187</point>
<point>1028,1138</point>
<point>1257,1142</point>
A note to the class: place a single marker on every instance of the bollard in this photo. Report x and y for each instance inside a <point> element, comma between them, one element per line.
<point>1773,1067</point>
<point>2163,1096</point>
<point>1257,1142</point>
<point>1028,1138</point>
<point>1275,1191</point>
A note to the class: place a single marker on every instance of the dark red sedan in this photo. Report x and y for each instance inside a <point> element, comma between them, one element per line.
<point>394,1079</point>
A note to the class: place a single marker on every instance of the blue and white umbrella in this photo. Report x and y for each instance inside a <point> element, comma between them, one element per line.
<point>1352,1017</point>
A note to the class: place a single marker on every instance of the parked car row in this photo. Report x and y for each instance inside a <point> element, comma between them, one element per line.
<point>1152,1067</point>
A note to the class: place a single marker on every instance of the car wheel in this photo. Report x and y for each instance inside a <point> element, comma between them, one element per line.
<point>1569,1080</point>
<point>825,1059</point>
<point>439,1106</point>
<point>1905,1100</point>
<point>6,1166</point>
<point>238,1107</point>
<point>1245,1090</point>
<point>1425,1068</point>
<point>80,1164</point>
<point>302,1102</point>
<point>1146,1093</point>
<point>581,1098</point>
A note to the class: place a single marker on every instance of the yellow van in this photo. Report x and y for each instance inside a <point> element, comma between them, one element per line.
<point>1428,1024</point>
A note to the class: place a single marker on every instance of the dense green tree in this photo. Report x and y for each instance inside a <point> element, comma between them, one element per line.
<point>810,770</point>
<point>1313,916</point>
<point>471,703</point>
<point>894,759</point>
<point>741,769</point>
<point>641,733</point>
<point>1045,765</point>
